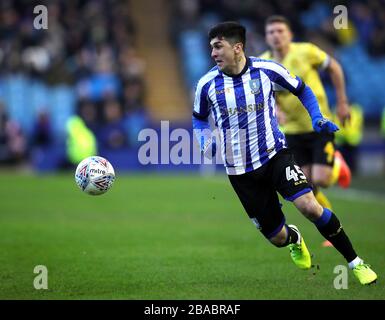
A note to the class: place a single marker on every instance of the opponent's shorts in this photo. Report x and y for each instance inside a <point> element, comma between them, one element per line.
<point>312,148</point>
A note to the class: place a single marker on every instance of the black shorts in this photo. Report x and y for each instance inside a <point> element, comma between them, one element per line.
<point>312,148</point>
<point>257,190</point>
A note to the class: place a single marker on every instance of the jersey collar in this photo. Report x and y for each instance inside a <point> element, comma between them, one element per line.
<point>247,65</point>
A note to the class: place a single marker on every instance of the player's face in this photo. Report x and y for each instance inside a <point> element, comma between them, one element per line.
<point>278,35</point>
<point>224,53</point>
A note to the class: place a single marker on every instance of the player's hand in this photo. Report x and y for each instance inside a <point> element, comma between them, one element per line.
<point>324,125</point>
<point>343,112</point>
<point>208,148</point>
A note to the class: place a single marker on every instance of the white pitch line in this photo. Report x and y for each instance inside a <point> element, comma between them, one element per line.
<point>356,195</point>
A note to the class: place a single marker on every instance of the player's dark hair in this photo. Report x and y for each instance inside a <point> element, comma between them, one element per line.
<point>277,18</point>
<point>232,31</point>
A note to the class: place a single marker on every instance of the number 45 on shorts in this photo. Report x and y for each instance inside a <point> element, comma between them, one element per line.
<point>295,173</point>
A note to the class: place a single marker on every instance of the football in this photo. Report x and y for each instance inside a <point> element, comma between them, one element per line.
<point>95,175</point>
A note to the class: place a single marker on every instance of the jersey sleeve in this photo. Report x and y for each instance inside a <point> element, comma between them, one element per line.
<point>281,77</point>
<point>317,57</point>
<point>202,105</point>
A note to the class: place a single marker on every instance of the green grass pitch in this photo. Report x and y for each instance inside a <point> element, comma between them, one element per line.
<point>168,237</point>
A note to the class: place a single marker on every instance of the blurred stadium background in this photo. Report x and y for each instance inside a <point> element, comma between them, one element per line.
<point>106,69</point>
<point>125,65</point>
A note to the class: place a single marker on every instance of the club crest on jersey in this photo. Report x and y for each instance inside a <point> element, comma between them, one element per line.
<point>255,85</point>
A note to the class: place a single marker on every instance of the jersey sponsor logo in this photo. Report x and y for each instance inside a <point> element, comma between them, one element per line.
<point>243,109</point>
<point>255,85</point>
<point>226,90</point>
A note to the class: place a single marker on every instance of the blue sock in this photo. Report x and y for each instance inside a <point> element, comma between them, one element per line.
<point>330,227</point>
<point>324,218</point>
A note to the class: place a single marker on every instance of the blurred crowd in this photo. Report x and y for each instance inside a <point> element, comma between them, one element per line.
<point>90,46</point>
<point>310,20</point>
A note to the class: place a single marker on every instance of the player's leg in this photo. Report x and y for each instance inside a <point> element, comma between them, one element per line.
<point>288,178</point>
<point>322,169</point>
<point>325,203</point>
<point>328,164</point>
<point>341,171</point>
<point>289,235</point>
<point>321,175</point>
<point>331,229</point>
<point>303,146</point>
<point>328,168</point>
<point>261,203</point>
<point>291,183</point>
<point>273,226</point>
<point>327,223</point>
<point>320,196</point>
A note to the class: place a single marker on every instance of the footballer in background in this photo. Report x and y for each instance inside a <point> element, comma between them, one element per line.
<point>315,152</point>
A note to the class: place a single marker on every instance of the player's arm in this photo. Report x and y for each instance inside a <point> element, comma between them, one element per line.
<point>309,101</point>
<point>281,77</point>
<point>322,61</point>
<point>200,121</point>
<point>337,76</point>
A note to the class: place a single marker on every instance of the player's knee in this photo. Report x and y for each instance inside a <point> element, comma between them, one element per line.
<point>312,210</point>
<point>309,207</point>
<point>279,239</point>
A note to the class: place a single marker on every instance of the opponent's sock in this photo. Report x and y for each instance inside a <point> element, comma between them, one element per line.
<point>330,227</point>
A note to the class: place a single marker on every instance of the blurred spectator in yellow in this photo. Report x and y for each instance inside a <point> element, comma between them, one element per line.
<point>81,142</point>
<point>349,136</point>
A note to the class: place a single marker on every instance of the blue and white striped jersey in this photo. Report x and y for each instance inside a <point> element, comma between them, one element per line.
<point>243,109</point>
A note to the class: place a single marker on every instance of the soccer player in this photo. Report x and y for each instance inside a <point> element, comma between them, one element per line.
<point>239,94</point>
<point>314,152</point>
